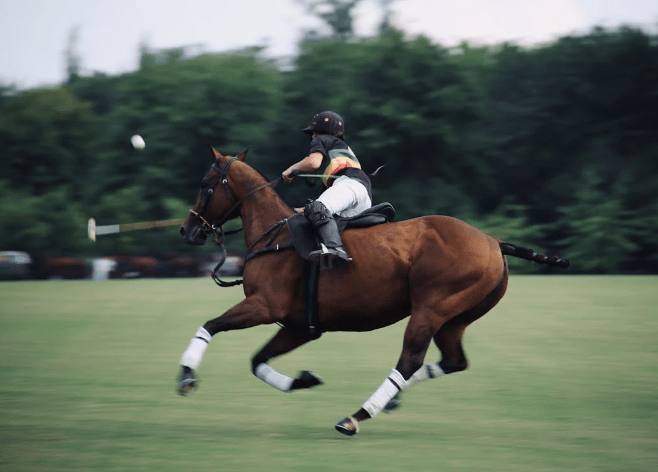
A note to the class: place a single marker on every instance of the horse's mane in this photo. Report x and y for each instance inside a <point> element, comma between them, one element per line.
<point>273,183</point>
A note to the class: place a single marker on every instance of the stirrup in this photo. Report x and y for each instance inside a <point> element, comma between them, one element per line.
<point>326,258</point>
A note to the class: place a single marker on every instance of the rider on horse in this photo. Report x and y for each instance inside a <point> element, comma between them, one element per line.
<point>348,189</point>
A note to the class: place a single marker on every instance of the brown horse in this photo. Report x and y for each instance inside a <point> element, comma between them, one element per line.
<point>440,272</point>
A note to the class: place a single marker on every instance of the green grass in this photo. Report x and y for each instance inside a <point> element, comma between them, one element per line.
<point>563,377</point>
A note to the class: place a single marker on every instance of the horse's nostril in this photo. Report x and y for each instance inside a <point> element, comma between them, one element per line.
<point>182,230</point>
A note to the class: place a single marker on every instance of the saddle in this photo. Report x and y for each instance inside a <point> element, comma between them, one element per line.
<point>305,240</point>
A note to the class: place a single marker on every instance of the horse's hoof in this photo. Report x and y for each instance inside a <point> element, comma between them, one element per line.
<point>393,403</point>
<point>347,426</point>
<point>307,379</point>
<point>187,381</point>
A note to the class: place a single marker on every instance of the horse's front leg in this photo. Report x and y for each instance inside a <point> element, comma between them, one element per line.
<point>250,312</point>
<point>284,341</point>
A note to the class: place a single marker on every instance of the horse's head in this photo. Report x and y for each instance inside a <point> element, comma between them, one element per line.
<point>215,204</point>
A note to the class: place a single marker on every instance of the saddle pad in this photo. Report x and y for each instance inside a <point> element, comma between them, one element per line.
<point>305,239</point>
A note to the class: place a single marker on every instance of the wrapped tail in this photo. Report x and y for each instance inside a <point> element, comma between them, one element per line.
<point>530,255</point>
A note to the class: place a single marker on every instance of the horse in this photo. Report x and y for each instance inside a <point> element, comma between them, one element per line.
<point>438,271</point>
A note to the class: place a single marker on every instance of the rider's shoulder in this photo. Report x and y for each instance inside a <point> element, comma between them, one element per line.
<point>329,141</point>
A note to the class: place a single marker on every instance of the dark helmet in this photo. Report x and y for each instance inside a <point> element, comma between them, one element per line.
<point>326,122</point>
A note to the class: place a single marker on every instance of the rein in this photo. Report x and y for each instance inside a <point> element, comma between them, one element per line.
<point>275,229</point>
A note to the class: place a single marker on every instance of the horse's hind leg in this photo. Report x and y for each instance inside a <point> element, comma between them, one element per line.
<point>449,338</point>
<point>423,326</point>
<point>417,337</point>
<point>284,341</point>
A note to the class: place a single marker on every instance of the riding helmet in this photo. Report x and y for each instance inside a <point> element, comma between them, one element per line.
<point>326,122</point>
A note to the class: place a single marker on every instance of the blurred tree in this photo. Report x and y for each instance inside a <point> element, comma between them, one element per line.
<point>385,24</point>
<point>72,56</point>
<point>99,90</point>
<point>6,91</point>
<point>550,110</point>
<point>48,224</point>
<point>646,238</point>
<point>47,140</point>
<point>553,147</point>
<point>600,231</point>
<point>46,149</point>
<point>20,218</point>
<point>336,13</point>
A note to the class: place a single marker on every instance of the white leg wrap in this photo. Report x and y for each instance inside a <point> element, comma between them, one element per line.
<point>392,385</point>
<point>429,371</point>
<point>196,349</point>
<point>273,378</point>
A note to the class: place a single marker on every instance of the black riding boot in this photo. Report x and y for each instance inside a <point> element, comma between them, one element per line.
<point>331,254</point>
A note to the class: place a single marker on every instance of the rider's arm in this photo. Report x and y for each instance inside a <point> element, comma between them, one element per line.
<point>310,163</point>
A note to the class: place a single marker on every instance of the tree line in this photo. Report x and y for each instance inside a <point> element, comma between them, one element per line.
<point>553,147</point>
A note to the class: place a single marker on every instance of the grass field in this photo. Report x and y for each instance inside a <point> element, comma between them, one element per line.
<point>563,377</point>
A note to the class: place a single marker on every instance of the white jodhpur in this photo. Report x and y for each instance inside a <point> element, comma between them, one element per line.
<point>346,197</point>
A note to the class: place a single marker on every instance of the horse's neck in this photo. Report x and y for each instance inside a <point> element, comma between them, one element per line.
<point>260,212</point>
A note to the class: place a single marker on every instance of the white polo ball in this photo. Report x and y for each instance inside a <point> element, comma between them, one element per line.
<point>138,142</point>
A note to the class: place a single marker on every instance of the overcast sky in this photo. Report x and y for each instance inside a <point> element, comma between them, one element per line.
<point>34,33</point>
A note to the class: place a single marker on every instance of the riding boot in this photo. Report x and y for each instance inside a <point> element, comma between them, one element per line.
<point>331,253</point>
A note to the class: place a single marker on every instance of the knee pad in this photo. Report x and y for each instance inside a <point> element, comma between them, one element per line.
<point>317,213</point>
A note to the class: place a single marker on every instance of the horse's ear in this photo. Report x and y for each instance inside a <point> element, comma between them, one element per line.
<point>217,154</point>
<point>242,155</point>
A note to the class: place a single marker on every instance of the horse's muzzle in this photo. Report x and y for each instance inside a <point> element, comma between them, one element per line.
<point>193,234</point>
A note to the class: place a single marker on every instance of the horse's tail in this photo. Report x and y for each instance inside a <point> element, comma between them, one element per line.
<point>530,255</point>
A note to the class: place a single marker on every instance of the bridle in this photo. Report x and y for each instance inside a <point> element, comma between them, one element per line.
<point>217,230</point>
<point>222,177</point>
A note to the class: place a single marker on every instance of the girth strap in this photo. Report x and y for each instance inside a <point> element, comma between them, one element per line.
<point>310,294</point>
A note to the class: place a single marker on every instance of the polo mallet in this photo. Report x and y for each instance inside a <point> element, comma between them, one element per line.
<point>319,176</point>
<point>93,230</point>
